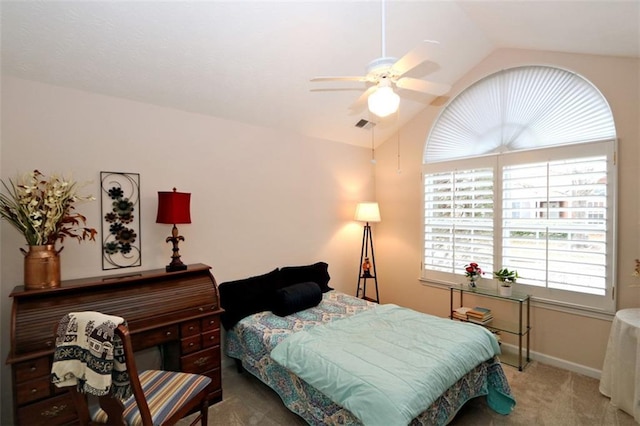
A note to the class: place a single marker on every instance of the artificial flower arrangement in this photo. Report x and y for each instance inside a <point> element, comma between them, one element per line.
<point>41,209</point>
<point>506,277</point>
<point>473,270</point>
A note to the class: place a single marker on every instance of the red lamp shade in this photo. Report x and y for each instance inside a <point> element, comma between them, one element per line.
<point>174,207</point>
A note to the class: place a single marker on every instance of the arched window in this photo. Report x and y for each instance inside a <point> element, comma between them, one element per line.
<point>519,172</point>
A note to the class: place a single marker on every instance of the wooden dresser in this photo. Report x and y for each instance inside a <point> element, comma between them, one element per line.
<point>177,311</point>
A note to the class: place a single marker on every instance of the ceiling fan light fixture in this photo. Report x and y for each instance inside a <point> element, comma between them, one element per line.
<point>384,101</point>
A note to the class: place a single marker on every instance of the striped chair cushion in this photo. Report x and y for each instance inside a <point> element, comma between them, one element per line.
<point>165,391</point>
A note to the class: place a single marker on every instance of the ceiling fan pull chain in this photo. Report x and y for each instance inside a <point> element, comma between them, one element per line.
<point>398,169</point>
<point>373,149</point>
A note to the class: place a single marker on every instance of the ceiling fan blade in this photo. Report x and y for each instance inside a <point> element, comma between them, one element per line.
<point>362,100</point>
<point>345,78</point>
<point>415,57</point>
<point>335,89</point>
<point>424,86</point>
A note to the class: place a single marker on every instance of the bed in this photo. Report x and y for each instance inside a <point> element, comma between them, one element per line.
<point>254,338</point>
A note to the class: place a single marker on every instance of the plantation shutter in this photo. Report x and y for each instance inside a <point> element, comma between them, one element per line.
<point>555,221</point>
<point>458,220</point>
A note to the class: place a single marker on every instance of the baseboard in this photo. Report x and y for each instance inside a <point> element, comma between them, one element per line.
<point>555,362</point>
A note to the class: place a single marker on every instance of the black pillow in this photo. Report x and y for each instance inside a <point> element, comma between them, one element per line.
<point>297,297</point>
<point>317,273</point>
<point>248,296</point>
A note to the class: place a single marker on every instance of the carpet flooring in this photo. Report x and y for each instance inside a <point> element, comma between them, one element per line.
<point>545,395</point>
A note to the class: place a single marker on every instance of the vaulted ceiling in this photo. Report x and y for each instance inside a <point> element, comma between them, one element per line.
<point>251,61</point>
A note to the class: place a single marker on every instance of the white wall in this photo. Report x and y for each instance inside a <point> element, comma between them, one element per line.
<point>260,198</point>
<point>569,338</point>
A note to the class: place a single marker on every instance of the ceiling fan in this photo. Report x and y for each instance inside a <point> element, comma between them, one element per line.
<point>386,72</point>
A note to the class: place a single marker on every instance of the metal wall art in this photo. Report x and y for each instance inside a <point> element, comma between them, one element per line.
<point>120,207</point>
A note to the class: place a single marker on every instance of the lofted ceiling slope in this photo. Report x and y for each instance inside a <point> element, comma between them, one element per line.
<point>251,61</point>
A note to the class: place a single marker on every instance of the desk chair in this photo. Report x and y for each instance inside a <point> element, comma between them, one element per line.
<point>158,397</point>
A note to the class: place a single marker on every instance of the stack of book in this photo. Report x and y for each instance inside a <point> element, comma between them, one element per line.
<point>479,315</point>
<point>460,313</point>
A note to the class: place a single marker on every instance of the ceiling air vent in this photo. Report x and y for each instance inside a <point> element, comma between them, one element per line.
<point>365,124</point>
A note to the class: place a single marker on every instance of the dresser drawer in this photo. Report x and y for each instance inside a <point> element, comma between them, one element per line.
<point>54,411</point>
<point>190,328</point>
<point>211,338</point>
<point>190,344</point>
<point>156,337</point>
<point>211,323</point>
<point>201,361</point>
<point>33,390</point>
<point>30,370</point>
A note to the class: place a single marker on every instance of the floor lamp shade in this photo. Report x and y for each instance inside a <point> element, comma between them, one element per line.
<point>173,208</point>
<point>368,212</point>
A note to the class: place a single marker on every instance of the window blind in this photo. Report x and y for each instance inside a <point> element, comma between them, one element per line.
<point>517,109</point>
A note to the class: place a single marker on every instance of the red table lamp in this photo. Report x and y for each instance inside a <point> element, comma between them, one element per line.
<point>173,208</point>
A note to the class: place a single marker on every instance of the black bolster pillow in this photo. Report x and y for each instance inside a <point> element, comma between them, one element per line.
<point>297,297</point>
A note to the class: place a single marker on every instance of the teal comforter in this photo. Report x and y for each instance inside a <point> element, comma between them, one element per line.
<point>388,364</point>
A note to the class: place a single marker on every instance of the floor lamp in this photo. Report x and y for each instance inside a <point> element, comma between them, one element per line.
<point>367,212</point>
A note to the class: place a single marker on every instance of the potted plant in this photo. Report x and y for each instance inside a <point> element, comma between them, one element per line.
<point>506,278</point>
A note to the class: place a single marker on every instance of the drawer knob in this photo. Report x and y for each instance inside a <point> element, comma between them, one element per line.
<point>201,361</point>
<point>191,328</point>
<point>54,411</point>
<point>34,390</point>
<point>201,309</point>
<point>33,368</point>
<point>191,344</point>
<point>49,343</point>
<point>168,333</point>
<point>212,338</point>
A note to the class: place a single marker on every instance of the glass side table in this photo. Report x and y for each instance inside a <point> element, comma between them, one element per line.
<point>520,329</point>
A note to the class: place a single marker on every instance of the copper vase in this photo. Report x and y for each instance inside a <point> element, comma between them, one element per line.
<point>41,267</point>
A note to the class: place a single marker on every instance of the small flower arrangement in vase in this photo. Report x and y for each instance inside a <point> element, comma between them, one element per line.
<point>506,278</point>
<point>473,272</point>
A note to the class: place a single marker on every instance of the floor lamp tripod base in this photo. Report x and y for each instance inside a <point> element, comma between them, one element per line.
<point>367,266</point>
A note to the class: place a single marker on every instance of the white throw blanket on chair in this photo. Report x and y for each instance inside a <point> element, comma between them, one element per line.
<point>89,355</point>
